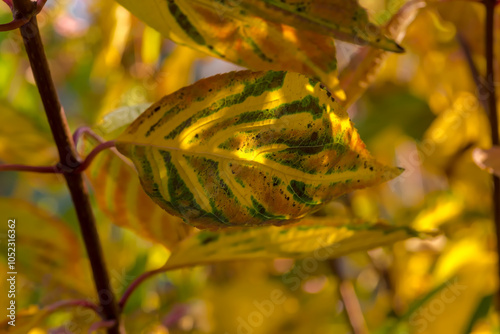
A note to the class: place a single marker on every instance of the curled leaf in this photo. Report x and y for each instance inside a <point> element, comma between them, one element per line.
<point>248,148</point>
<point>341,19</point>
<point>266,35</point>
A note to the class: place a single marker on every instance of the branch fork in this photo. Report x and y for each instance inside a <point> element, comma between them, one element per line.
<point>20,18</point>
<point>59,168</point>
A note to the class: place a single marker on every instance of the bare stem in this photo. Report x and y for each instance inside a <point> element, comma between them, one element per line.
<point>472,65</point>
<point>21,19</point>
<point>73,303</point>
<point>86,130</point>
<point>68,157</point>
<point>493,116</point>
<point>58,169</point>
<point>14,24</point>
<point>35,169</point>
<point>351,303</point>
<point>88,160</point>
<point>135,284</point>
<point>101,325</point>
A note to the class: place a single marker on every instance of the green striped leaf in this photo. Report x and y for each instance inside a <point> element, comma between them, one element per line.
<point>316,238</point>
<point>266,35</point>
<point>117,188</point>
<point>341,19</point>
<point>248,148</point>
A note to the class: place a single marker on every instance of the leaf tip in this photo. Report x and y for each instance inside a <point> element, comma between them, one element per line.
<point>397,171</point>
<point>392,172</point>
<point>399,48</point>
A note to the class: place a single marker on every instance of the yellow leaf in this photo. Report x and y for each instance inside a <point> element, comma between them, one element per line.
<point>341,19</point>
<point>469,269</point>
<point>26,321</point>
<point>177,70</point>
<point>21,138</point>
<point>314,238</point>
<point>46,248</point>
<point>441,146</point>
<point>118,23</point>
<point>248,148</point>
<point>439,208</point>
<point>271,35</point>
<point>151,46</point>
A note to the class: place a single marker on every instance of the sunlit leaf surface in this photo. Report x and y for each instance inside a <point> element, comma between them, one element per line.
<point>248,148</point>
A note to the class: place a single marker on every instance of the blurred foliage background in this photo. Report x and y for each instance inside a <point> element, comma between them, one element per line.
<point>423,112</point>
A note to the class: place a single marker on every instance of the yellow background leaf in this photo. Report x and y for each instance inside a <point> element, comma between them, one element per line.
<point>288,36</point>
<point>319,239</point>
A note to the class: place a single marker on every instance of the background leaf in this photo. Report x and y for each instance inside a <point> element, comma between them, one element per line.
<point>317,238</point>
<point>270,35</point>
<point>46,247</point>
<point>248,148</point>
<point>341,19</point>
<point>48,260</point>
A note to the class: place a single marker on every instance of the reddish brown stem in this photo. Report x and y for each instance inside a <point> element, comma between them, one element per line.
<point>135,284</point>
<point>101,325</point>
<point>57,169</point>
<point>493,117</point>
<point>72,303</point>
<point>18,22</point>
<point>88,160</point>
<point>85,130</point>
<point>35,169</point>
<point>68,157</point>
<point>14,24</point>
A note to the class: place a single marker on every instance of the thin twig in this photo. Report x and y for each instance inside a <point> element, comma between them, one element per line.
<point>68,158</point>
<point>39,5</point>
<point>73,303</point>
<point>351,303</point>
<point>14,24</point>
<point>493,117</point>
<point>18,22</point>
<point>57,169</point>
<point>88,131</point>
<point>472,66</point>
<point>35,169</point>
<point>88,160</point>
<point>135,284</point>
<point>101,325</point>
